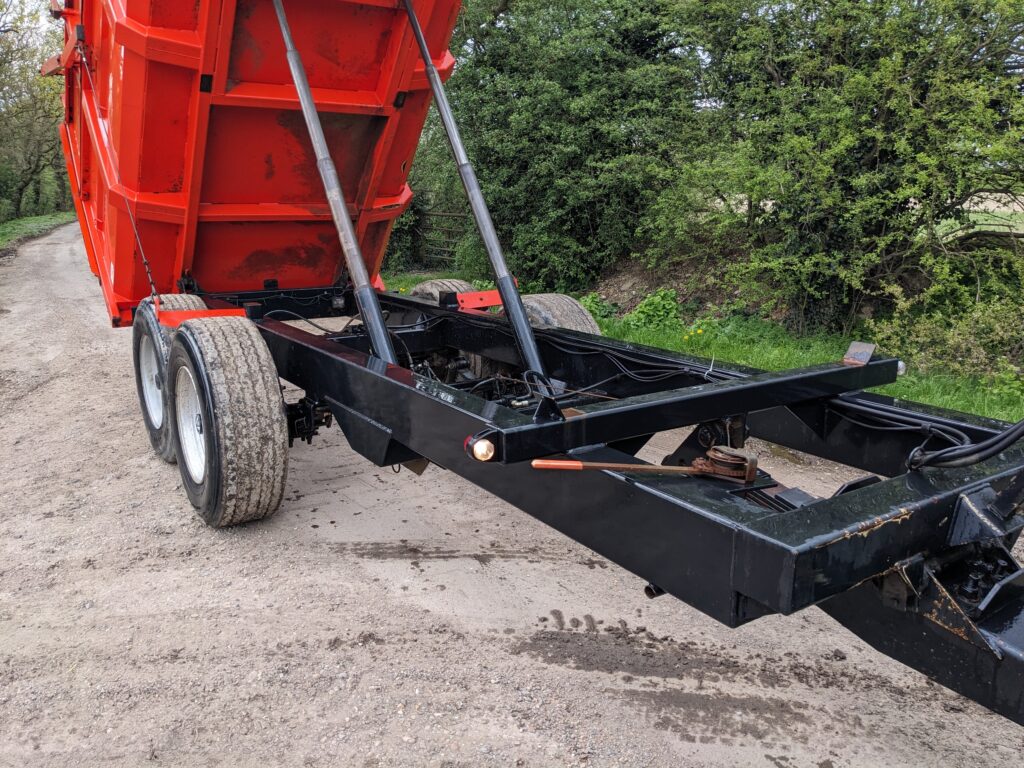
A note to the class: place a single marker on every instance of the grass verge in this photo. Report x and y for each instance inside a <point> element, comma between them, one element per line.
<point>766,345</point>
<point>16,230</point>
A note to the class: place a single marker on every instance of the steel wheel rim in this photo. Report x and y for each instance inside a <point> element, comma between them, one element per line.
<point>189,415</point>
<point>149,375</point>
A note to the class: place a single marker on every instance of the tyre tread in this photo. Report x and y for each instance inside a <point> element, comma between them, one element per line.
<point>432,289</point>
<point>249,417</point>
<point>557,310</point>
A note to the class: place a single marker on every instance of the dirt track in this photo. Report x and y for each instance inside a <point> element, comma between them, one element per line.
<point>378,619</point>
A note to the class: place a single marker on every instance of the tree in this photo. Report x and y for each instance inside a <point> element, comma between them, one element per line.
<point>565,107</point>
<point>848,137</point>
<point>32,179</point>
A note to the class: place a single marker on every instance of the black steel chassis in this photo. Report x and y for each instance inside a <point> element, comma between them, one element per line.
<point>917,564</point>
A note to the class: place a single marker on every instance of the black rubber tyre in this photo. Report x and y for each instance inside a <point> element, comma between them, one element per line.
<point>432,289</point>
<point>150,346</point>
<point>556,310</point>
<point>227,420</point>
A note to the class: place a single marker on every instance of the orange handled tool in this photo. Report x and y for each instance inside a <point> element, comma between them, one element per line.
<point>723,463</point>
<point>578,465</point>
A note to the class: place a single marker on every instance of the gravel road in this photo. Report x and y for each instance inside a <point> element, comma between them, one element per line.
<point>378,619</point>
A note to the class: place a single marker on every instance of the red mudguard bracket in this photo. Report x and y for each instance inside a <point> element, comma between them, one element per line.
<point>479,299</point>
<point>177,317</point>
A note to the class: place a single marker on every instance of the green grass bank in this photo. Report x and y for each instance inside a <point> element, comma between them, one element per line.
<point>16,230</point>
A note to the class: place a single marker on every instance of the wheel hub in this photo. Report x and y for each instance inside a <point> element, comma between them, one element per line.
<point>149,375</point>
<point>189,414</point>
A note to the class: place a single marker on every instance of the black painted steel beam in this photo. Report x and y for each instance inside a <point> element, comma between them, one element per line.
<point>660,411</point>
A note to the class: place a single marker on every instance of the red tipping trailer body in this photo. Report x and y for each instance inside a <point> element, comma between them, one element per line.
<point>188,116</point>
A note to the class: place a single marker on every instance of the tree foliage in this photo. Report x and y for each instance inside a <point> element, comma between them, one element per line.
<point>853,132</point>
<point>564,107</point>
<point>32,178</point>
<point>822,157</point>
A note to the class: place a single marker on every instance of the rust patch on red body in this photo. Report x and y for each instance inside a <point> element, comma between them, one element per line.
<point>265,262</point>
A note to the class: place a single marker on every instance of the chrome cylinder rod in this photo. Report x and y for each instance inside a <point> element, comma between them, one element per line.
<point>366,296</point>
<point>506,285</point>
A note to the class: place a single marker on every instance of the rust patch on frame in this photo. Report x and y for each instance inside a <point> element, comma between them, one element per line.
<point>868,527</point>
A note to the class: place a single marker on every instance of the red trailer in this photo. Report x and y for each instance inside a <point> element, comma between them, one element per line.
<point>237,166</point>
<point>188,121</point>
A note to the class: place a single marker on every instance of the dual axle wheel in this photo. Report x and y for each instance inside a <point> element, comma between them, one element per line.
<point>210,398</point>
